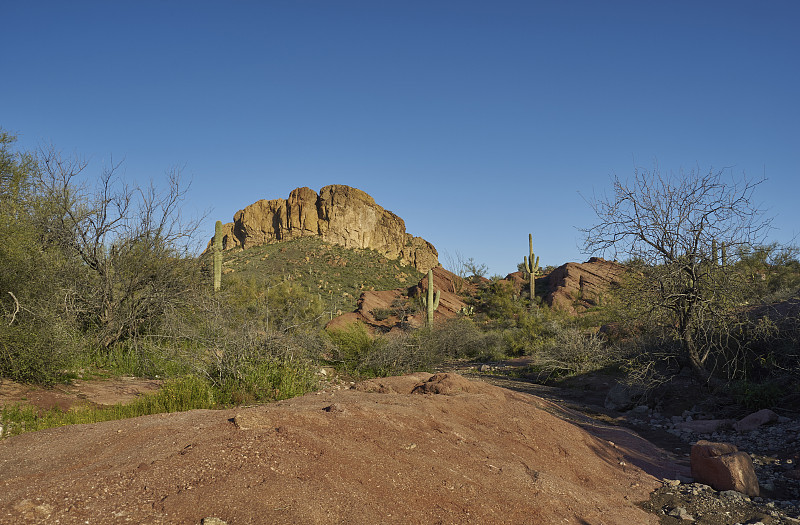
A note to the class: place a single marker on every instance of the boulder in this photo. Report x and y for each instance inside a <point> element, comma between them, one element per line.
<point>338,215</point>
<point>755,420</point>
<point>574,287</point>
<point>723,467</point>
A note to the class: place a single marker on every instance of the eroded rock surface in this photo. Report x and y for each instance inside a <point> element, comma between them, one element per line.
<point>456,452</point>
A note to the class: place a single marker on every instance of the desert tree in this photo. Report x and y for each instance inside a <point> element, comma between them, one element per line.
<point>132,244</point>
<point>669,228</point>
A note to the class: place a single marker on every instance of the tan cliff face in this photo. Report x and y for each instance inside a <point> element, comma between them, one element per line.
<point>338,215</point>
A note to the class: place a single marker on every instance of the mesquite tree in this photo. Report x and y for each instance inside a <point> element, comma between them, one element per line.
<point>667,227</point>
<point>132,243</point>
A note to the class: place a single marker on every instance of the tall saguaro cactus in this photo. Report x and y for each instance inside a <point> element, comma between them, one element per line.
<point>431,300</point>
<point>217,255</point>
<point>531,266</point>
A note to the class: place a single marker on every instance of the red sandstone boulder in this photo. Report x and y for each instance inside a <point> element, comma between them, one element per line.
<point>723,467</point>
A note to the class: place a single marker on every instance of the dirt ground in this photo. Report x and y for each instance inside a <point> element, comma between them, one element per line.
<point>79,392</point>
<point>412,449</point>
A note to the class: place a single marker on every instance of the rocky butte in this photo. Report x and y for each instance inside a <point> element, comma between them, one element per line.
<point>338,215</point>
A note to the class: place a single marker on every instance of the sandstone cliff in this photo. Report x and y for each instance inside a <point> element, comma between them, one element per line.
<point>338,215</point>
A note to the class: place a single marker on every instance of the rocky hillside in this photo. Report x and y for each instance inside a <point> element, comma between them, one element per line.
<point>338,215</point>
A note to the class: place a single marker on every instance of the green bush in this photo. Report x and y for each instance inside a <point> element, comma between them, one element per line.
<point>755,396</point>
<point>33,354</point>
<point>572,351</point>
<point>356,352</point>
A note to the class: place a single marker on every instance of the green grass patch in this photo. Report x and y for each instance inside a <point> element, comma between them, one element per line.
<point>187,393</point>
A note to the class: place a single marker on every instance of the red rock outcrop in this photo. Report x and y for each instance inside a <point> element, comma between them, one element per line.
<point>338,215</point>
<point>389,309</point>
<point>574,287</point>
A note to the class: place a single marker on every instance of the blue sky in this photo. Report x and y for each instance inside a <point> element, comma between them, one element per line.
<point>476,122</point>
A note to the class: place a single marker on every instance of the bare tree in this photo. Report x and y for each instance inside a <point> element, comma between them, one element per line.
<point>669,227</point>
<point>132,242</point>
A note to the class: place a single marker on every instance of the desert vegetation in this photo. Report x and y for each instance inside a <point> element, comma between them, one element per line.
<point>102,279</point>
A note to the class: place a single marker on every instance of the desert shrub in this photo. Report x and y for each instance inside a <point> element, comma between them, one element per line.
<point>32,353</point>
<point>258,366</point>
<point>403,353</point>
<point>755,396</point>
<point>362,355</point>
<point>459,337</point>
<point>381,314</point>
<point>356,352</point>
<point>572,351</point>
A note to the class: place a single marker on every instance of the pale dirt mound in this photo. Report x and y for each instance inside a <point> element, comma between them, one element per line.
<point>479,454</point>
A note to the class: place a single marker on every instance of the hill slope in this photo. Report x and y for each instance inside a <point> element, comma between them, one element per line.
<point>337,275</point>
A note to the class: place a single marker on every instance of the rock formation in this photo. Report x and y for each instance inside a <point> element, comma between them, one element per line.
<point>338,215</point>
<point>386,310</point>
<point>574,287</point>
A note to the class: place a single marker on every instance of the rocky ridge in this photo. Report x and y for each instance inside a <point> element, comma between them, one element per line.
<point>575,287</point>
<point>339,215</point>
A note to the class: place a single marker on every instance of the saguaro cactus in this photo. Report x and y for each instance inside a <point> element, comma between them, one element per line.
<point>217,255</point>
<point>531,266</point>
<point>431,300</point>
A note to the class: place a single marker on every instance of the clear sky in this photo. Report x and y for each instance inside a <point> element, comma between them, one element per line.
<point>476,122</point>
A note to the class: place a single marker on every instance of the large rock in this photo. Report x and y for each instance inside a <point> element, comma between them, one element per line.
<point>338,215</point>
<point>574,287</point>
<point>723,467</point>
